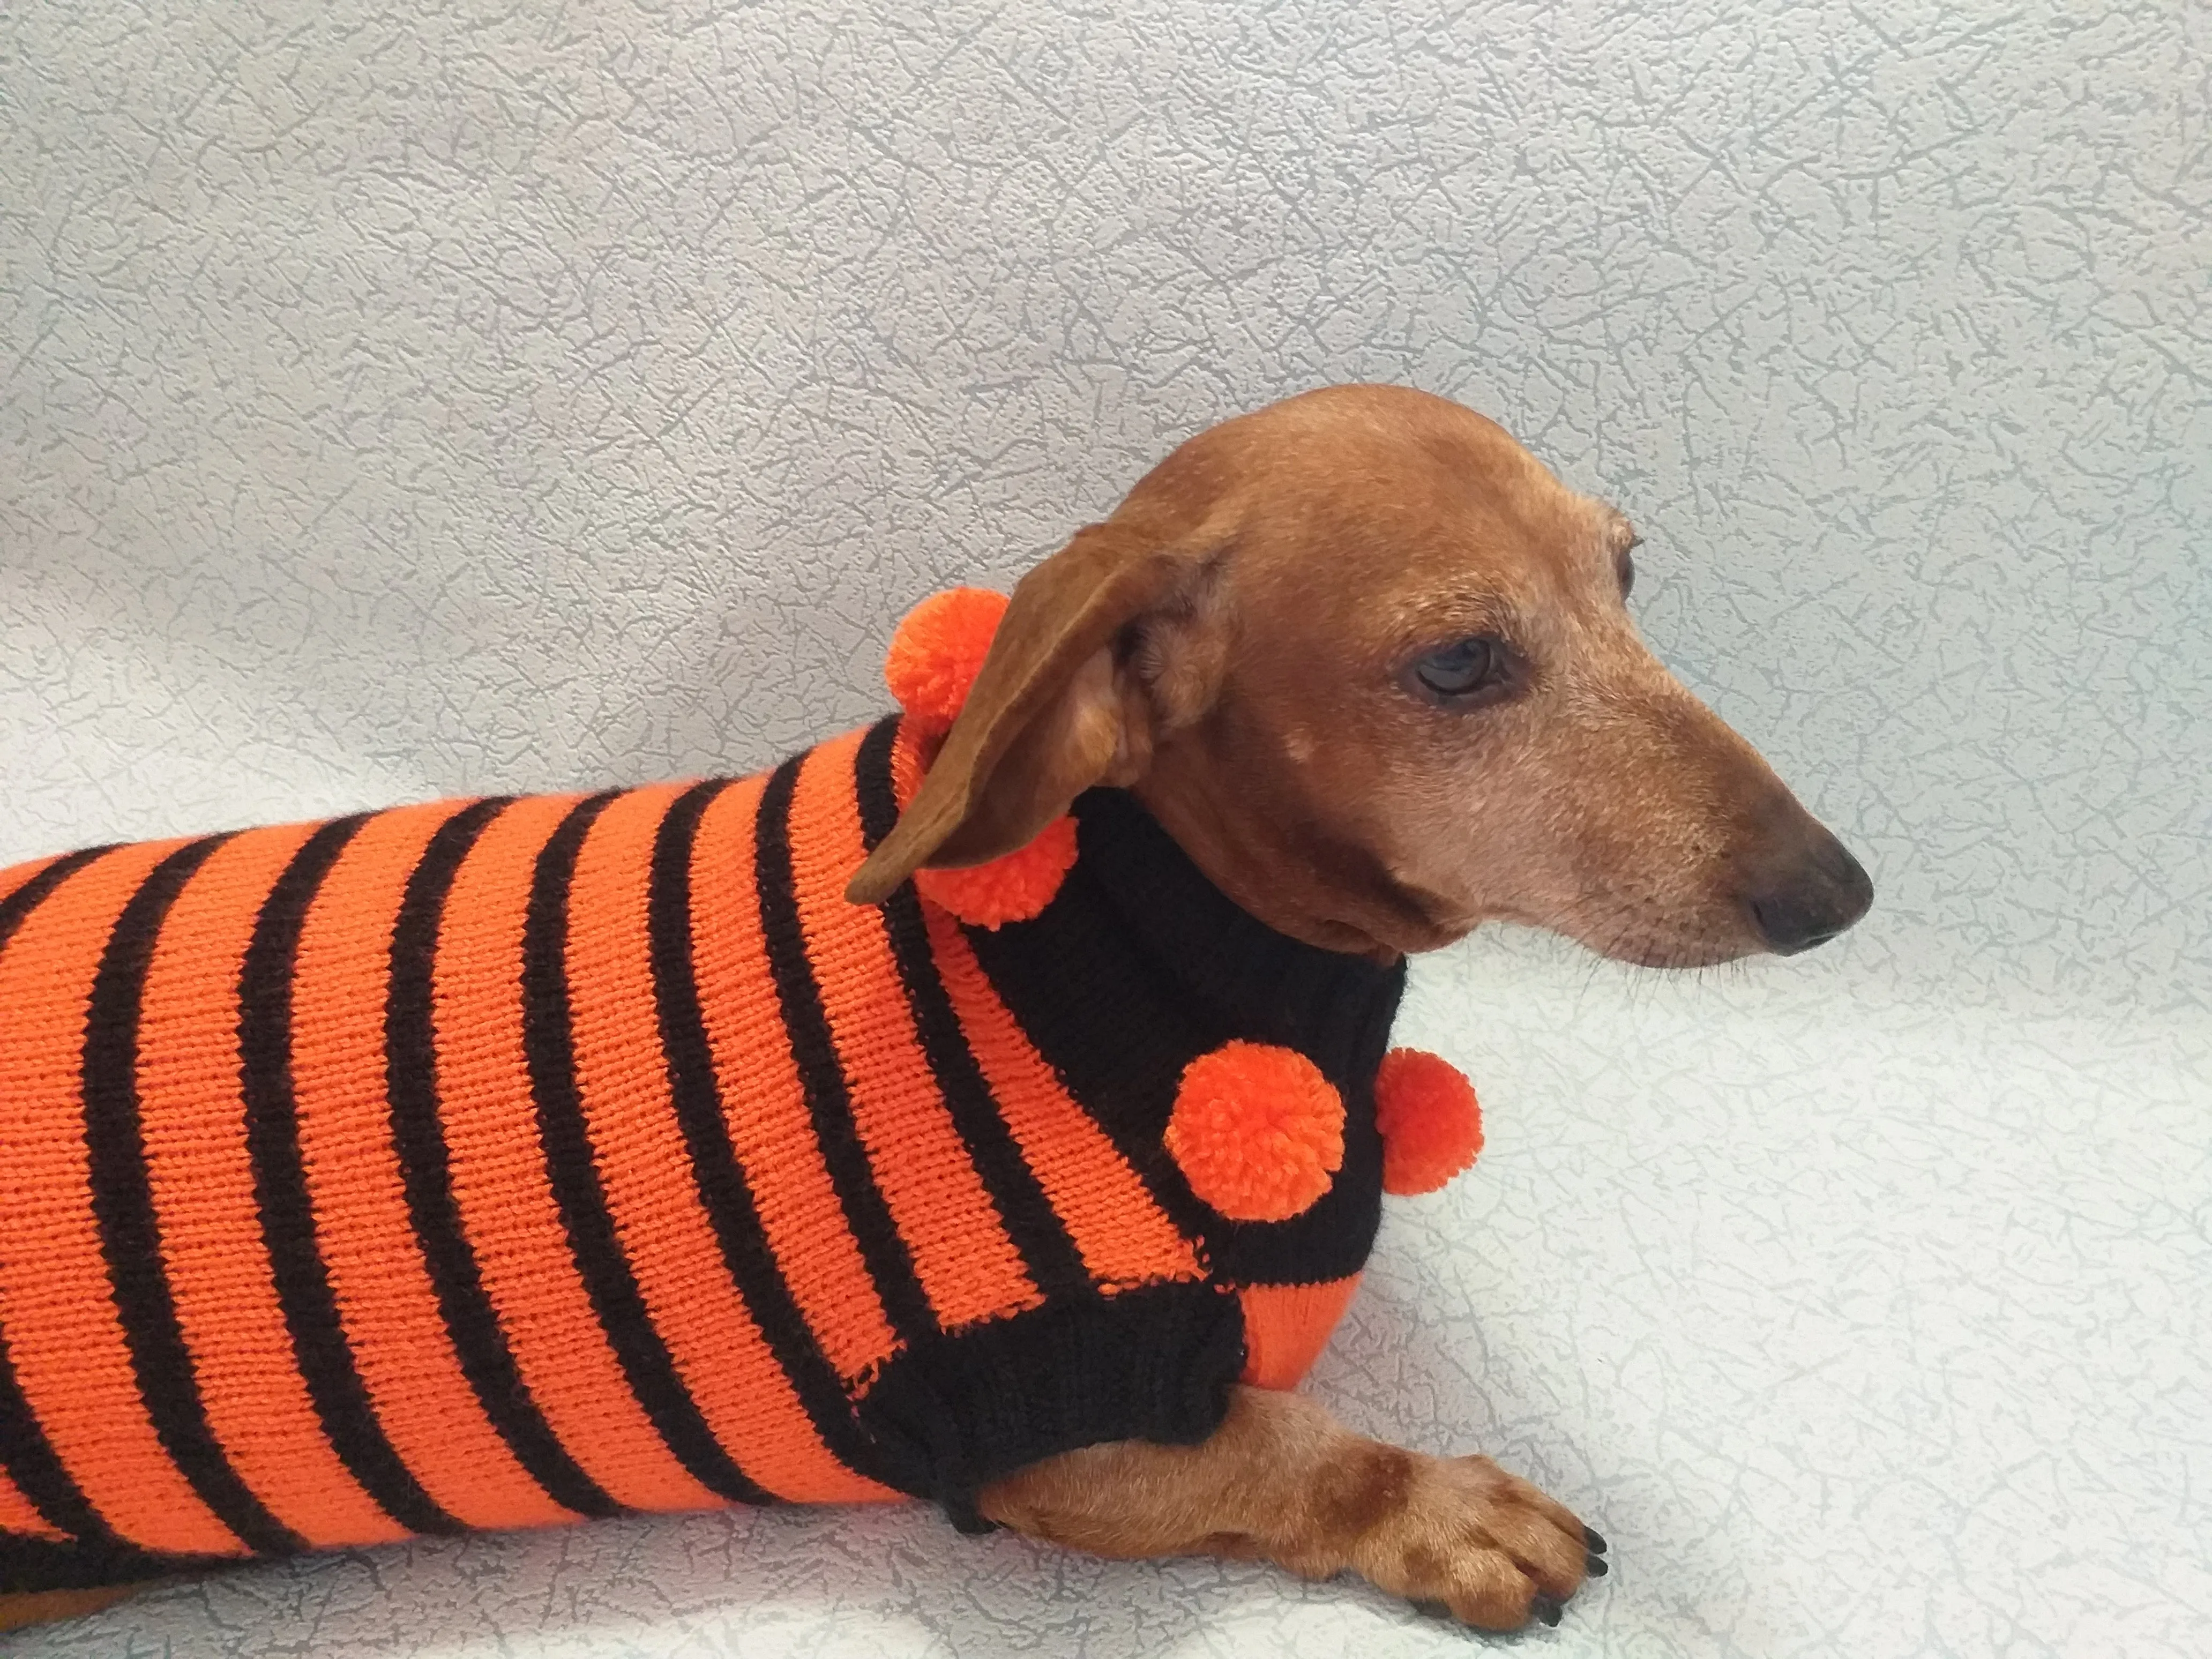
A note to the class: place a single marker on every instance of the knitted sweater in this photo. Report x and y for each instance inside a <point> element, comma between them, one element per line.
<point>496,1163</point>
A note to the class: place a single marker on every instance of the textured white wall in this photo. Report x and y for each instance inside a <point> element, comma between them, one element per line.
<point>400,402</point>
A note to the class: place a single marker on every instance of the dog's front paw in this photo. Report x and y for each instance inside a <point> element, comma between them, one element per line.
<point>1462,1533</point>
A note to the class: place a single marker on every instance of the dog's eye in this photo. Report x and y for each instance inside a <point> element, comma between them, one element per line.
<point>1463,668</point>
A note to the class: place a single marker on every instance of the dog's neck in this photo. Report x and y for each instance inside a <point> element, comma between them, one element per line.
<point>1322,892</point>
<point>1203,937</point>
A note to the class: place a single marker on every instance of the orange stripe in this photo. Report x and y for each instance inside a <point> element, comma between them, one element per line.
<point>17,1514</point>
<point>962,1254</point>
<point>193,1116</point>
<point>725,1363</point>
<point>64,1334</point>
<point>16,874</point>
<point>1287,1326</point>
<point>1124,1237</point>
<point>386,1300</point>
<point>507,1210</point>
<point>768,1123</point>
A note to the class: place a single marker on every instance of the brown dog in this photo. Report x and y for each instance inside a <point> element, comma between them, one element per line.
<point>1368,662</point>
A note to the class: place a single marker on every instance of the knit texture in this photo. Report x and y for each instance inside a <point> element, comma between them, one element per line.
<point>497,1163</point>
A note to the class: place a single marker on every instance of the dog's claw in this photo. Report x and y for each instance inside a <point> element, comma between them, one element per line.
<point>1594,1566</point>
<point>1592,1541</point>
<point>1546,1607</point>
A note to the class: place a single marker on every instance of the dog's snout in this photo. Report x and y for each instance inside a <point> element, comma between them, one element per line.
<point>1808,895</point>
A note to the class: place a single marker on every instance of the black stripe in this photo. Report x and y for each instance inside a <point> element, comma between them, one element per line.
<point>122,1202</point>
<point>319,1348</point>
<point>724,1193</point>
<point>548,1042</point>
<point>821,1076</point>
<point>411,1086</point>
<point>27,897</point>
<point>32,1463</point>
<point>1036,1227</point>
<point>36,1469</point>
<point>29,1565</point>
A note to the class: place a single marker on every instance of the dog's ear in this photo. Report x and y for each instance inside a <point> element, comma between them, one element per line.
<point>1113,638</point>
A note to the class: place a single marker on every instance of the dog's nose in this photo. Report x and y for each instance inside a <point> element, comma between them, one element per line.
<point>1818,894</point>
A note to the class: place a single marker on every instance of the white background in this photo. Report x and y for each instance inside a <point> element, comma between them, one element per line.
<point>399,402</point>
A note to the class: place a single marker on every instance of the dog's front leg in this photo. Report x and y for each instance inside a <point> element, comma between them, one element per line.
<point>1282,1479</point>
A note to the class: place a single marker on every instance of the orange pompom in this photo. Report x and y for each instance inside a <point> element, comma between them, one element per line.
<point>937,652</point>
<point>1431,1122</point>
<point>1013,888</point>
<point>1256,1130</point>
<point>934,657</point>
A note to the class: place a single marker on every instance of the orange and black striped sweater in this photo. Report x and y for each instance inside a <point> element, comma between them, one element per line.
<point>494,1164</point>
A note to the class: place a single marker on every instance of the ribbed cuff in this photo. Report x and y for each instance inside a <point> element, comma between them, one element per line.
<point>1153,1363</point>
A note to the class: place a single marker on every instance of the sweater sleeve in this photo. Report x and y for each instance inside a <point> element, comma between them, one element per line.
<point>958,1411</point>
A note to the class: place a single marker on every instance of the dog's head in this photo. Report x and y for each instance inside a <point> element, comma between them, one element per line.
<point>1371,665</point>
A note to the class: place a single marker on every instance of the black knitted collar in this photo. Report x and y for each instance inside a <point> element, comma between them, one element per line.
<point>1263,984</point>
